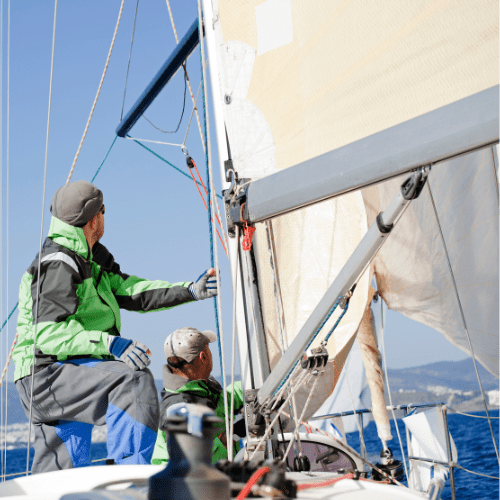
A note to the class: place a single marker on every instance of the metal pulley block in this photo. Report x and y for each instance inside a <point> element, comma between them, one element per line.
<point>314,358</point>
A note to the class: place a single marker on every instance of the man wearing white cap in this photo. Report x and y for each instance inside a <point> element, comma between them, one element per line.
<point>186,379</point>
<point>85,373</point>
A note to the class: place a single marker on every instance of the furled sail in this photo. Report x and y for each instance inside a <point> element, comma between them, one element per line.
<point>299,79</point>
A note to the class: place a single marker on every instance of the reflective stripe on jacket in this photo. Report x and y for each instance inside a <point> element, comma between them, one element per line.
<point>81,293</point>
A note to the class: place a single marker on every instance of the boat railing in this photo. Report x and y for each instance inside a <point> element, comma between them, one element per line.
<point>406,408</point>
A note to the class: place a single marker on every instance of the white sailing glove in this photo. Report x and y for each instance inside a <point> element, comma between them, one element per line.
<point>134,354</point>
<point>205,286</point>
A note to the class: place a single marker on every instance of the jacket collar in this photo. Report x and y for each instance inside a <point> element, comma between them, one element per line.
<point>70,237</point>
<point>174,382</point>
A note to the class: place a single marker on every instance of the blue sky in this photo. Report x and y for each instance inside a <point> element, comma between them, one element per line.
<point>156,225</point>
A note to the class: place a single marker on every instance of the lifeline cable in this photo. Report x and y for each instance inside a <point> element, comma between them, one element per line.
<point>382,329</point>
<point>98,92</point>
<point>35,315</point>
<point>206,138</point>
<point>463,316</point>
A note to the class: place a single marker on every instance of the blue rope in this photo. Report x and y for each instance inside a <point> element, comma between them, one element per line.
<point>105,158</point>
<point>310,342</point>
<point>327,338</point>
<point>8,317</point>
<point>203,90</point>
<point>168,163</point>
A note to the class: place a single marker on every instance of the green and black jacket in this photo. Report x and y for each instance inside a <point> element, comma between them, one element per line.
<point>205,392</point>
<point>81,294</point>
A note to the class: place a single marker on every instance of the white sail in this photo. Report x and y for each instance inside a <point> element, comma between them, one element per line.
<point>298,79</point>
<point>413,267</point>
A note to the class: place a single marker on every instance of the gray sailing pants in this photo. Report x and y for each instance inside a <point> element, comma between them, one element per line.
<point>70,397</point>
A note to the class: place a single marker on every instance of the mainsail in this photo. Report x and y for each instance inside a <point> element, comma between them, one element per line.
<point>298,80</point>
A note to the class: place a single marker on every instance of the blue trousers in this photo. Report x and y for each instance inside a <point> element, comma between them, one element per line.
<point>70,397</point>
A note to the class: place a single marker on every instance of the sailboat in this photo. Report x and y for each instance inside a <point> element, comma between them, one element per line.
<point>357,150</point>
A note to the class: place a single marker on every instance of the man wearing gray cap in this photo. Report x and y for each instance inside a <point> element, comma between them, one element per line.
<point>85,373</point>
<point>186,379</point>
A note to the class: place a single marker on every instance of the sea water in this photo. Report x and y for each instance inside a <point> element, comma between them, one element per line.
<point>472,437</point>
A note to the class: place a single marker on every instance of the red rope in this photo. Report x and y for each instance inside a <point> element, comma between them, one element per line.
<point>324,483</point>
<point>204,202</point>
<point>251,482</point>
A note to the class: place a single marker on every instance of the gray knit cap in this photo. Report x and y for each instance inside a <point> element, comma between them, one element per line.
<point>76,203</point>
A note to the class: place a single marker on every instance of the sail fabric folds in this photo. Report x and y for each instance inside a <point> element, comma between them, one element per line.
<point>299,79</point>
<point>413,267</point>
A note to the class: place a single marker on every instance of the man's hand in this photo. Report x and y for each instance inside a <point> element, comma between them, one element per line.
<point>205,286</point>
<point>134,354</point>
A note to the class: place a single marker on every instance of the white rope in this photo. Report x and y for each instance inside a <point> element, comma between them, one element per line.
<point>155,142</point>
<point>280,313</point>
<point>382,330</point>
<point>463,317</point>
<point>296,387</point>
<point>7,226</point>
<point>469,415</point>
<point>4,465</point>
<point>476,473</point>
<point>35,315</point>
<point>191,117</point>
<point>98,92</point>
<point>235,284</point>
<point>214,228</point>
<point>297,427</point>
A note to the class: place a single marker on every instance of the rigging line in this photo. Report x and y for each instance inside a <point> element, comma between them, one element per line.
<point>463,317</point>
<point>296,387</point>
<point>217,210</point>
<point>180,120</point>
<point>129,58</point>
<point>13,344</point>
<point>7,224</point>
<point>476,473</point>
<point>195,110</point>
<point>311,341</point>
<point>1,222</point>
<point>361,437</point>
<point>206,207</point>
<point>35,316</point>
<point>350,450</point>
<point>494,156</point>
<point>235,284</point>
<point>469,415</point>
<point>98,92</point>
<point>191,117</point>
<point>167,162</point>
<point>297,428</point>
<point>17,303</point>
<point>280,310</point>
<point>105,158</point>
<point>154,142</point>
<point>217,215</point>
<point>211,223</point>
<point>188,82</point>
<point>382,330</point>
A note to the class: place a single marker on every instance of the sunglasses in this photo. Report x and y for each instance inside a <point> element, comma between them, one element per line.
<point>103,210</point>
